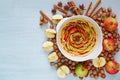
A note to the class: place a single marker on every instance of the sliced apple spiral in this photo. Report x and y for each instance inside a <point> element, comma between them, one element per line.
<point>99,62</point>
<point>48,46</point>
<point>50,33</point>
<point>52,57</point>
<point>63,71</point>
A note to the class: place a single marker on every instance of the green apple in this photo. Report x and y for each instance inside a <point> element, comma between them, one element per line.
<point>81,70</point>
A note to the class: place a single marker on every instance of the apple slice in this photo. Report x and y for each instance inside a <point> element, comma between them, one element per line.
<point>53,57</point>
<point>48,46</point>
<point>57,18</point>
<point>99,62</point>
<point>50,33</point>
<point>63,71</point>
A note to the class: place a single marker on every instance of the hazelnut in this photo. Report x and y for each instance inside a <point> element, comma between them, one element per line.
<point>66,7</point>
<point>53,11</point>
<point>108,14</point>
<point>59,4</point>
<point>103,10</point>
<point>109,9</point>
<point>113,15</point>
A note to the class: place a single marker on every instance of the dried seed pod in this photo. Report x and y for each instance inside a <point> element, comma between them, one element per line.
<point>81,6</point>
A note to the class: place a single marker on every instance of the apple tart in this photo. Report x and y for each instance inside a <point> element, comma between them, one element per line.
<point>78,37</point>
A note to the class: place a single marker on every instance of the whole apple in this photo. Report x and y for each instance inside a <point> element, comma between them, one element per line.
<point>108,44</point>
<point>112,67</point>
<point>81,70</point>
<point>110,24</point>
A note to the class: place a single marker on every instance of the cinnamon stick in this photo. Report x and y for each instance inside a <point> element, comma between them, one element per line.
<point>60,9</point>
<point>96,12</point>
<point>45,16</point>
<point>74,8</point>
<point>88,8</point>
<point>95,6</point>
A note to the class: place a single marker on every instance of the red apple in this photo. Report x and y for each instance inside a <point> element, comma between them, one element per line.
<point>112,67</point>
<point>108,44</point>
<point>110,24</point>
